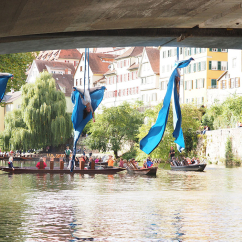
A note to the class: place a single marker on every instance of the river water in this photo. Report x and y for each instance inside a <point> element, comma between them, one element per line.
<point>173,206</point>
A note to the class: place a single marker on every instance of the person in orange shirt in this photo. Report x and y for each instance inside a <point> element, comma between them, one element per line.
<point>110,162</point>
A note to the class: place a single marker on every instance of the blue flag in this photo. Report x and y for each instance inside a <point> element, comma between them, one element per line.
<point>77,118</point>
<point>3,83</point>
<point>154,137</point>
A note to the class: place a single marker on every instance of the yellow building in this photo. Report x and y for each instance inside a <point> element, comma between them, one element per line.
<point>11,101</point>
<point>202,73</point>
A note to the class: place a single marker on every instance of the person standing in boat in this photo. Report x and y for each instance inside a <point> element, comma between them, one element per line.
<point>10,162</point>
<point>171,153</point>
<point>67,153</point>
<point>110,161</point>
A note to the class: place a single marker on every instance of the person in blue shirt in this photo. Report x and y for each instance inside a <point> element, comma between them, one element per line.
<point>149,163</point>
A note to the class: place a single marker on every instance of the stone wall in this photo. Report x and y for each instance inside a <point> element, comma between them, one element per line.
<point>216,142</point>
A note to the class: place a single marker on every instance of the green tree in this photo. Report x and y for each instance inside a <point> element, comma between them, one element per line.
<point>115,127</point>
<point>191,120</point>
<point>16,64</point>
<point>42,120</point>
<point>225,114</point>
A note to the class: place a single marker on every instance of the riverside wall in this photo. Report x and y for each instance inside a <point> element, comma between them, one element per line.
<point>216,142</point>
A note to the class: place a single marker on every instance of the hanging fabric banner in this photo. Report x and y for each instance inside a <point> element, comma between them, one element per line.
<point>3,83</point>
<point>154,137</point>
<point>78,119</point>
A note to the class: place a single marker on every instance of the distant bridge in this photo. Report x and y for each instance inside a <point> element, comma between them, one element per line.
<point>28,25</point>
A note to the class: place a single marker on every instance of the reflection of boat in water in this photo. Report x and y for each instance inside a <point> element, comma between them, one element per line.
<point>144,171</point>
<point>63,171</point>
<point>197,167</point>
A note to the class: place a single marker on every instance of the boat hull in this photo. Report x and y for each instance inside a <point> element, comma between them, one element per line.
<point>199,167</point>
<point>145,171</point>
<point>33,170</point>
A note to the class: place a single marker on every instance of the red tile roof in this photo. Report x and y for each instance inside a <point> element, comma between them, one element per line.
<point>96,64</point>
<point>133,66</point>
<point>131,52</point>
<point>70,54</point>
<point>41,65</point>
<point>154,58</point>
<point>110,72</point>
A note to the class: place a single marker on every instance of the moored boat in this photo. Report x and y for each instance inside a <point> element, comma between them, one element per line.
<point>144,171</point>
<point>33,170</point>
<point>197,167</point>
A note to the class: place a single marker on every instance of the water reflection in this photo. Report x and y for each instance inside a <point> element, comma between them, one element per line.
<point>174,206</point>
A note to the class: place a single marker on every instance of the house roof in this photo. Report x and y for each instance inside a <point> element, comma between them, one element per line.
<point>70,54</point>
<point>41,65</point>
<point>97,65</point>
<point>11,97</point>
<point>131,52</point>
<point>101,79</point>
<point>66,81</point>
<point>53,55</point>
<point>154,58</point>
<point>110,72</point>
<point>133,66</point>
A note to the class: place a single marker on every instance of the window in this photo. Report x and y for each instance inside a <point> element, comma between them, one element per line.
<point>180,51</point>
<point>185,85</point>
<point>213,83</point>
<point>199,66</point>
<point>232,83</point>
<point>80,81</point>
<point>80,68</point>
<point>213,65</point>
<point>223,84</point>
<point>224,50</point>
<point>203,66</point>
<point>164,54</point>
<point>224,65</point>
<point>194,67</point>
<point>154,96</point>
<point>233,62</point>
<point>237,82</point>
<point>143,80</point>
<point>76,82</point>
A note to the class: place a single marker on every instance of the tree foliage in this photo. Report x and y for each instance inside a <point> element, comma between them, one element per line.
<point>225,114</point>
<point>17,65</point>
<point>191,120</point>
<point>42,119</point>
<point>115,128</point>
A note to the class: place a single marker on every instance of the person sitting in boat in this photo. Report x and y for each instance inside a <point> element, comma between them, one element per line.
<point>125,164</point>
<point>121,162</point>
<point>135,163</point>
<point>149,163</point>
<point>90,163</point>
<point>197,161</point>
<point>97,160</point>
<point>184,162</point>
<point>110,161</point>
<point>38,165</point>
<point>10,162</point>
<point>193,161</point>
<point>76,161</point>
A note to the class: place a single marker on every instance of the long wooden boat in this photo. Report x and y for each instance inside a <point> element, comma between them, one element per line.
<point>144,171</point>
<point>198,167</point>
<point>108,171</point>
<point>20,158</point>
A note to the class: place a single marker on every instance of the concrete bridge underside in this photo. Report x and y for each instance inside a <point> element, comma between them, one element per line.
<point>29,25</point>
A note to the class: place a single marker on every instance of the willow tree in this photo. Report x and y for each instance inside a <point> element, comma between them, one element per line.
<point>42,121</point>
